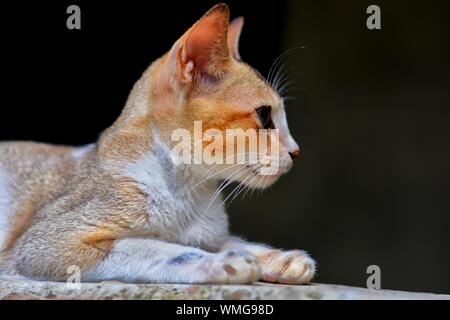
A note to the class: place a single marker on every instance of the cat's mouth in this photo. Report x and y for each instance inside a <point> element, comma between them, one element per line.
<point>265,170</point>
<point>252,169</point>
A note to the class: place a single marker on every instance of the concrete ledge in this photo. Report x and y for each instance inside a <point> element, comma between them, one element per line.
<point>12,288</point>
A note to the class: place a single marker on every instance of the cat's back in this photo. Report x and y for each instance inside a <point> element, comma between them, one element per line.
<point>30,175</point>
<point>24,158</point>
<point>13,149</point>
<point>35,168</point>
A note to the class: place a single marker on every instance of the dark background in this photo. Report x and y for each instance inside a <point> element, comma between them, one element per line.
<point>372,116</point>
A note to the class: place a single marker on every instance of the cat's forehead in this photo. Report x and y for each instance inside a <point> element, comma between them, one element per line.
<point>250,89</point>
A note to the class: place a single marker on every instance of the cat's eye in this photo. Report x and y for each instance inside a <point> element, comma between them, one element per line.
<point>264,113</point>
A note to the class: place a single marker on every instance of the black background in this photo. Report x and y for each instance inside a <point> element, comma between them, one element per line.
<point>372,116</point>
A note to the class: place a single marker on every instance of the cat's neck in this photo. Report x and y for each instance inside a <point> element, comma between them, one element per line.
<point>139,135</point>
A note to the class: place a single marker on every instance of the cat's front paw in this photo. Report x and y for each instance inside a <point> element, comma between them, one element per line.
<point>233,267</point>
<point>287,267</point>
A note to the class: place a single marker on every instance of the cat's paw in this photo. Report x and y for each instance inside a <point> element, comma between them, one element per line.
<point>232,267</point>
<point>287,267</point>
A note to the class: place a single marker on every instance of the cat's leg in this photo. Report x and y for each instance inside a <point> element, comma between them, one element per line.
<point>154,261</point>
<point>288,267</point>
<point>49,255</point>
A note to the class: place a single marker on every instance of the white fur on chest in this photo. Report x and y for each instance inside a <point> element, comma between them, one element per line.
<point>179,211</point>
<point>6,203</point>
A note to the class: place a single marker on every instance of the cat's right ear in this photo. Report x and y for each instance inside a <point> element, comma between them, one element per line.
<point>234,34</point>
<point>203,49</point>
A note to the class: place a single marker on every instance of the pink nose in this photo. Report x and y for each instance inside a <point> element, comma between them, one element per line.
<point>295,154</point>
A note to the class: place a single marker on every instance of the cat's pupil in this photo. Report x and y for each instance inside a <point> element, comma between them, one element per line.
<point>263,113</point>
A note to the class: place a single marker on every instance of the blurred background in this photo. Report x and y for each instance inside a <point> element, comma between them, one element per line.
<point>370,109</point>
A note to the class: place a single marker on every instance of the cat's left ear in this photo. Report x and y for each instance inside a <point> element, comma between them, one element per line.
<point>204,48</point>
<point>234,34</point>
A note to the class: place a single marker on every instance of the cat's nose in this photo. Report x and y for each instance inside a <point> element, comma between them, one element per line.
<point>295,154</point>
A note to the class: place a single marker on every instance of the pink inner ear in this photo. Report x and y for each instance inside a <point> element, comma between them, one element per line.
<point>234,33</point>
<point>206,45</point>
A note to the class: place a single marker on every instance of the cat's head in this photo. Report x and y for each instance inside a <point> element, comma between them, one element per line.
<point>202,78</point>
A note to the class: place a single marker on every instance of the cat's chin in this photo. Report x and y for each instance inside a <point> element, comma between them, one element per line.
<point>263,181</point>
<point>245,175</point>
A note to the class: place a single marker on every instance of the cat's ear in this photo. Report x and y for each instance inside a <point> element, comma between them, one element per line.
<point>234,33</point>
<point>203,49</point>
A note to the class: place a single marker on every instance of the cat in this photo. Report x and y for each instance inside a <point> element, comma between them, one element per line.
<point>120,209</point>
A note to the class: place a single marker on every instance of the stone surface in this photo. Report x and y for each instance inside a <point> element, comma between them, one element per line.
<point>15,288</point>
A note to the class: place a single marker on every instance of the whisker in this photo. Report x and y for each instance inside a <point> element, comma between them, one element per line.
<point>229,157</point>
<point>235,190</point>
<point>285,80</point>
<point>241,186</point>
<point>225,184</point>
<point>291,89</point>
<point>278,76</point>
<point>276,62</point>
<point>248,187</point>
<point>213,175</point>
<point>205,178</point>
